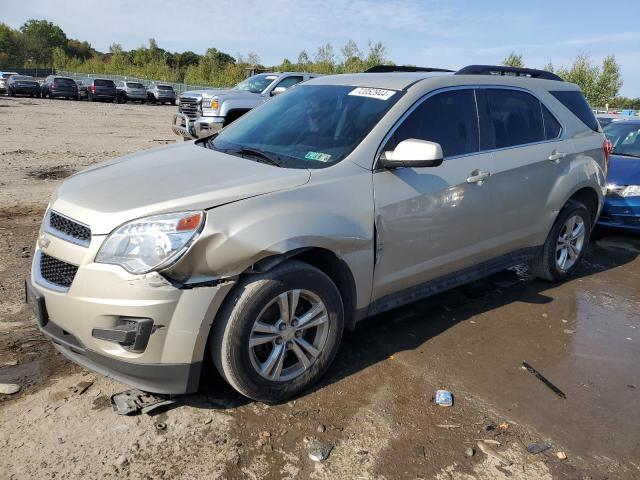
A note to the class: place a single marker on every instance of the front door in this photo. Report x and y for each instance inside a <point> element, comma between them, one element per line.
<point>435,220</point>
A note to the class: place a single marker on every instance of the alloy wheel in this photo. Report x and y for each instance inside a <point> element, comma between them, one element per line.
<point>570,242</point>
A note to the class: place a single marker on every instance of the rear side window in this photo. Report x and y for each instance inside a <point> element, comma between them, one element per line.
<point>509,118</point>
<point>104,83</point>
<point>289,82</point>
<point>575,101</point>
<point>448,118</point>
<point>552,127</point>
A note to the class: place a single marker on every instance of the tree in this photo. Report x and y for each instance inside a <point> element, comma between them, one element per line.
<point>253,59</point>
<point>38,40</point>
<point>9,50</point>
<point>599,85</point>
<point>324,54</point>
<point>351,51</point>
<point>609,81</point>
<point>377,54</point>
<point>513,60</point>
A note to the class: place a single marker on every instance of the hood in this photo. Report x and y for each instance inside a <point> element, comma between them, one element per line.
<point>204,93</point>
<point>623,170</point>
<point>166,179</point>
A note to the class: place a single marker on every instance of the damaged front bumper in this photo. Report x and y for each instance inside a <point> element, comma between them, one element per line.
<point>139,330</point>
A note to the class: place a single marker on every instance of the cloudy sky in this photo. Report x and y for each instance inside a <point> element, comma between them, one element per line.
<point>444,34</point>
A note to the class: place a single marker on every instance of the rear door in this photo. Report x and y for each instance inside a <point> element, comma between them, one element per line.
<point>435,220</point>
<point>530,154</point>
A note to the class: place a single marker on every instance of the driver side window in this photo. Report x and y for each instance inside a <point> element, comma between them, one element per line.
<point>448,118</point>
<point>289,82</point>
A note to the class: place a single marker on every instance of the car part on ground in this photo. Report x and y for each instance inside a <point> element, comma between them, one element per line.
<point>258,246</point>
<point>205,112</point>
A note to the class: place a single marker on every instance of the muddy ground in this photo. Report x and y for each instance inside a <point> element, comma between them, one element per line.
<point>374,408</point>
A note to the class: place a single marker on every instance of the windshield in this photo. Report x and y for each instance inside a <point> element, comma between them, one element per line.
<point>23,77</point>
<point>624,137</point>
<point>134,85</point>
<point>311,126</point>
<point>103,83</point>
<point>7,75</point>
<point>257,83</point>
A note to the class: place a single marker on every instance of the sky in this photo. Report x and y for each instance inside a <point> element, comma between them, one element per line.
<point>426,33</point>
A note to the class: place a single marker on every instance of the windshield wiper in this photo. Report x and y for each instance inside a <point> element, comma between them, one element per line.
<point>264,157</point>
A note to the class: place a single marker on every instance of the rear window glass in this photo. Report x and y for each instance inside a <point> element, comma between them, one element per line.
<point>164,87</point>
<point>22,77</point>
<point>103,83</point>
<point>448,118</point>
<point>67,82</point>
<point>552,127</point>
<point>575,101</point>
<point>509,118</point>
<point>134,85</point>
<point>7,75</point>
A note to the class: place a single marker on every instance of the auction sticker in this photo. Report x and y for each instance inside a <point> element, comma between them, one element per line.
<point>379,93</point>
<point>321,157</point>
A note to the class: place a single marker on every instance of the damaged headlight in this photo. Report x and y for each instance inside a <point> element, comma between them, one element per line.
<point>151,243</point>
<point>624,190</point>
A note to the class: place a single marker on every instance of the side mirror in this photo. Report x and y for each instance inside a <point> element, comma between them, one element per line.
<point>413,153</point>
<point>278,91</point>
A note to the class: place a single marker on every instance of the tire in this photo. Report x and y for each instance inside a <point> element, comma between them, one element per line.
<point>91,98</point>
<point>173,102</point>
<point>548,262</point>
<point>256,298</point>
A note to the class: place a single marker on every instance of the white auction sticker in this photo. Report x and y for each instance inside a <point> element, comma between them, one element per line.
<point>379,93</point>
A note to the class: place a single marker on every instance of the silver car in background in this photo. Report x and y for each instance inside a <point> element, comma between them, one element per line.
<point>130,92</point>
<point>158,93</point>
<point>344,197</point>
<point>204,112</point>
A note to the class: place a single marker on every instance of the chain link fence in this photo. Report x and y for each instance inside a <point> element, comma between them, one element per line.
<point>177,87</point>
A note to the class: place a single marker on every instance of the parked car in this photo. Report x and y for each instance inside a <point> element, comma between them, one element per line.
<point>54,86</point>
<point>203,112</point>
<point>344,197</point>
<point>4,76</point>
<point>157,93</point>
<point>606,118</point>
<point>23,85</point>
<point>97,89</point>
<point>131,92</point>
<point>622,204</point>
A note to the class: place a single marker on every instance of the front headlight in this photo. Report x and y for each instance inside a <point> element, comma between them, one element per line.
<point>151,243</point>
<point>213,104</point>
<point>624,191</point>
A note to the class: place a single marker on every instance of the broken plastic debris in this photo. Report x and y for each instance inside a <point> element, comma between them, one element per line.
<point>444,398</point>
<point>561,455</point>
<point>136,401</point>
<point>503,426</point>
<point>9,388</point>
<point>536,448</point>
<point>541,377</point>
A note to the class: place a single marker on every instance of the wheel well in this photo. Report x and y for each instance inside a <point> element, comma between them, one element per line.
<point>234,115</point>
<point>589,198</point>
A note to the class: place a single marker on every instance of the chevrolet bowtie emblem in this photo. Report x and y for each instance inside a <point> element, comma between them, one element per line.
<point>43,241</point>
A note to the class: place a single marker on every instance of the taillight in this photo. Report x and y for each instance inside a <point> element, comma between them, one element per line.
<point>53,85</point>
<point>607,147</point>
<point>92,88</point>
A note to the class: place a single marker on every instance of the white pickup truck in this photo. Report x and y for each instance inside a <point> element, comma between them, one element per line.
<point>203,112</point>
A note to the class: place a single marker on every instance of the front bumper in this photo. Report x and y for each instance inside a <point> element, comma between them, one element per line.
<point>205,126</point>
<point>26,90</point>
<point>621,213</point>
<point>63,93</point>
<point>183,126</point>
<point>102,297</point>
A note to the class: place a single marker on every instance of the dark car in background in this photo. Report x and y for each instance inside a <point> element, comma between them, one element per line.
<point>158,93</point>
<point>622,204</point>
<point>23,85</point>
<point>98,89</point>
<point>4,76</point>
<point>131,92</point>
<point>59,87</point>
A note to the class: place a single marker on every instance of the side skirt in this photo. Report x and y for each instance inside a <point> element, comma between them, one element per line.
<point>447,282</point>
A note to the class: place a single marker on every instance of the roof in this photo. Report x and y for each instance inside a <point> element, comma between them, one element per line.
<point>392,81</point>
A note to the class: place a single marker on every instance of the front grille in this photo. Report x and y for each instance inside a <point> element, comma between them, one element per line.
<point>69,227</point>
<point>56,271</point>
<point>189,106</point>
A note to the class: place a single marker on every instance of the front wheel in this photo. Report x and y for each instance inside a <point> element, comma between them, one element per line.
<point>278,332</point>
<point>565,247</point>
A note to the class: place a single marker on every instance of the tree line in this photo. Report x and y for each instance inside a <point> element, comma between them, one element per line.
<point>42,44</point>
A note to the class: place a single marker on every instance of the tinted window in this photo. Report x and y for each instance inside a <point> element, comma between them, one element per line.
<point>448,118</point>
<point>103,83</point>
<point>552,127</point>
<point>164,87</point>
<point>509,118</point>
<point>289,82</point>
<point>67,82</point>
<point>134,85</point>
<point>575,101</point>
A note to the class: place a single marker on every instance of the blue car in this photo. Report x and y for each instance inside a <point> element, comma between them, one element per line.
<point>622,203</point>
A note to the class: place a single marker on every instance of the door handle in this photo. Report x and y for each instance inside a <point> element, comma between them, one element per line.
<point>478,176</point>
<point>556,156</point>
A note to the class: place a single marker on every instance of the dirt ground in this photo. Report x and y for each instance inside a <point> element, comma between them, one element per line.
<point>375,406</point>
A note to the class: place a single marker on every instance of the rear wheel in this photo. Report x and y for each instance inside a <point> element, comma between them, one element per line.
<point>565,247</point>
<point>278,332</point>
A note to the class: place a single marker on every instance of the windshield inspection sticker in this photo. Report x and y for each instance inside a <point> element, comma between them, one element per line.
<point>321,157</point>
<point>378,93</point>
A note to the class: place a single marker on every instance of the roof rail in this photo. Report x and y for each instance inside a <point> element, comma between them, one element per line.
<point>403,68</point>
<point>503,70</point>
